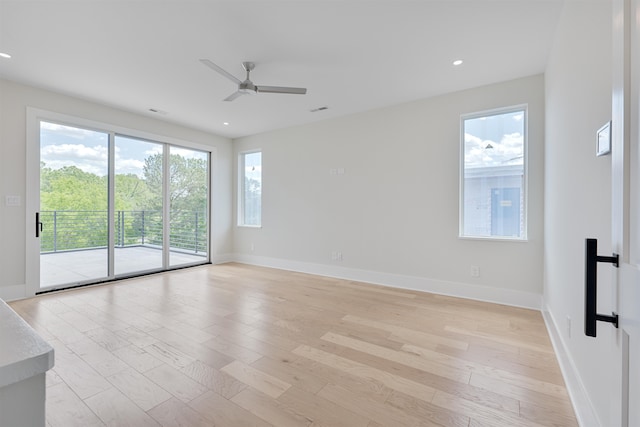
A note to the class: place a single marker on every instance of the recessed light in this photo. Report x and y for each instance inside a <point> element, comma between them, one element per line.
<point>4,55</point>
<point>458,62</point>
<point>226,123</point>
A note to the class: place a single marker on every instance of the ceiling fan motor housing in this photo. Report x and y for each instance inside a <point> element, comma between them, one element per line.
<point>247,86</point>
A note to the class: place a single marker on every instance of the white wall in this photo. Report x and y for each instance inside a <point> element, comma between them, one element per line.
<point>14,100</point>
<point>578,196</point>
<point>393,214</point>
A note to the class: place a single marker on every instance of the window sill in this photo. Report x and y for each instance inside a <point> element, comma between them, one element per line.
<point>248,226</point>
<point>495,239</point>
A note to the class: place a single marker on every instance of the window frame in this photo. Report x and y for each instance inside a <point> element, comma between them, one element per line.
<point>241,188</point>
<point>34,118</point>
<point>524,108</point>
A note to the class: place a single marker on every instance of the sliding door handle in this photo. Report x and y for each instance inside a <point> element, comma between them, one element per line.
<point>38,225</point>
<point>591,287</point>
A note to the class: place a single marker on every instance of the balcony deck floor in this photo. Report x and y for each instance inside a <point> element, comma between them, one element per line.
<point>73,267</point>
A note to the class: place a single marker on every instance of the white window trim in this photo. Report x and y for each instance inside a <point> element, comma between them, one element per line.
<point>525,183</point>
<point>241,189</point>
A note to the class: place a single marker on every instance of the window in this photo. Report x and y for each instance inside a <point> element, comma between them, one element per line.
<point>112,204</point>
<point>493,182</point>
<point>250,197</point>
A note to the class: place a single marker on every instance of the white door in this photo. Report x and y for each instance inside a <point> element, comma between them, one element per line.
<point>626,210</point>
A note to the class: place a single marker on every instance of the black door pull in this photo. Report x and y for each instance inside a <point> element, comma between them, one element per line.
<point>38,224</point>
<point>591,287</point>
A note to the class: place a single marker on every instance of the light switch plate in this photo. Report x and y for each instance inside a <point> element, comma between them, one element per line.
<point>12,200</point>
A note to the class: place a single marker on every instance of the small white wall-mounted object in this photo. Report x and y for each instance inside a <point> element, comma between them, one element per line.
<point>24,360</point>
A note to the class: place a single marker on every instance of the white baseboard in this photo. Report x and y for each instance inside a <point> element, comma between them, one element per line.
<point>456,289</point>
<point>582,405</point>
<point>221,259</point>
<point>14,292</point>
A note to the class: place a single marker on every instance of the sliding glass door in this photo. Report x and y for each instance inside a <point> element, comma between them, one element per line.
<point>188,206</point>
<point>73,220</point>
<point>138,214</point>
<point>113,205</point>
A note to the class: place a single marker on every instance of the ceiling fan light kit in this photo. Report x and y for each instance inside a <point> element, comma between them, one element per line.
<point>247,86</point>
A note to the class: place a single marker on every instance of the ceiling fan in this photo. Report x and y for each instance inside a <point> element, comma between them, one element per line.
<point>247,86</point>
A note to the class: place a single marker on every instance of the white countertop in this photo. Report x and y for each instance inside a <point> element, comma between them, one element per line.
<point>23,353</point>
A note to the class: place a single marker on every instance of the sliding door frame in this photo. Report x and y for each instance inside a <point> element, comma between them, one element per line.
<point>32,200</point>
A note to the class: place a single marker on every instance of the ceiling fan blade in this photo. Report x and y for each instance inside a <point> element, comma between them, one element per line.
<point>280,89</point>
<point>217,69</point>
<point>233,96</point>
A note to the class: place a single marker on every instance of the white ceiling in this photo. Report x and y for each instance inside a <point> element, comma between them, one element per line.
<point>352,55</point>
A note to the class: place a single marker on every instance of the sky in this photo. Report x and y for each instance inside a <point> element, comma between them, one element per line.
<point>496,140</point>
<point>62,145</point>
<point>253,166</point>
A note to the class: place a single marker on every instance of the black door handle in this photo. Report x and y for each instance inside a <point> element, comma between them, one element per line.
<point>38,225</point>
<point>591,287</point>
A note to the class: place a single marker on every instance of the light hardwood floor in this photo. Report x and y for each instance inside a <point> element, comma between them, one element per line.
<point>235,345</point>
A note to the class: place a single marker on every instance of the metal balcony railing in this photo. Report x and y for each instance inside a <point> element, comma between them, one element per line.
<point>77,230</point>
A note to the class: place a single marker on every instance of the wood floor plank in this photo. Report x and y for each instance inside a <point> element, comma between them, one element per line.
<point>116,410</point>
<point>107,338</point>
<point>222,412</point>
<point>65,409</point>
<point>169,354</point>
<point>214,379</point>
<point>238,345</point>
<point>367,387</point>
<point>458,372</point>
<point>136,337</point>
<point>79,321</point>
<point>291,374</point>
<point>553,403</point>
<point>231,349</point>
<point>395,382</point>
<point>270,410</point>
<point>501,374</point>
<point>321,411</point>
<point>486,416</point>
<point>174,413</point>
<point>266,383</point>
<point>78,374</point>
<point>427,411</point>
<point>406,334</point>
<point>384,414</point>
<point>141,390</point>
<point>548,416</point>
<point>137,358</point>
<point>512,341</point>
<point>99,358</point>
<point>175,382</point>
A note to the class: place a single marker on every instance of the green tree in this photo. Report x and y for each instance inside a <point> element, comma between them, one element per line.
<point>131,193</point>
<point>70,188</point>
<point>187,197</point>
<point>74,205</point>
<point>187,181</point>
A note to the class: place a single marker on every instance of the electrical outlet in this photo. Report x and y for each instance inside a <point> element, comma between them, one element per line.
<point>475,271</point>
<point>568,326</point>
